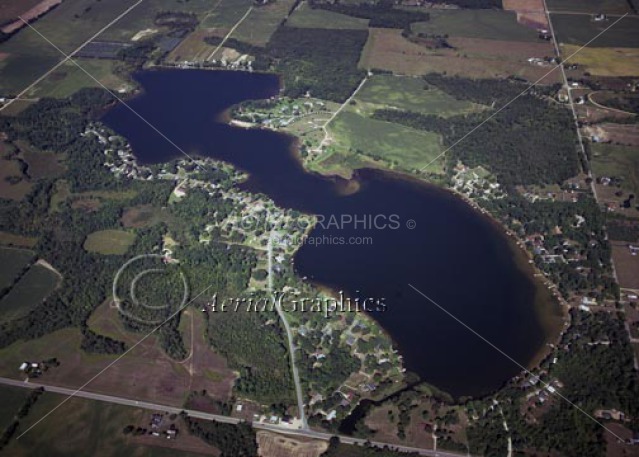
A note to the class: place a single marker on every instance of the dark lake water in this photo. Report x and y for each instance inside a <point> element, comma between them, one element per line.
<point>455,256</point>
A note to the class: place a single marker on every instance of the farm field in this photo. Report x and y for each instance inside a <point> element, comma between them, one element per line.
<point>530,13</point>
<point>17,240</point>
<point>10,9</point>
<point>109,242</point>
<point>617,161</point>
<point>32,288</point>
<point>258,27</point>
<point>579,29</point>
<point>626,264</point>
<point>387,49</point>
<point>412,94</point>
<point>307,17</point>
<point>69,78</point>
<point>12,262</point>
<point>225,14</point>
<point>605,61</point>
<point>193,47</point>
<point>590,6</point>
<point>11,400</point>
<point>488,24</point>
<point>403,147</point>
<point>82,427</point>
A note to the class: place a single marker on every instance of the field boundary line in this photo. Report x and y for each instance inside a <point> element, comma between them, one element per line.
<point>67,57</point>
<point>520,94</point>
<point>228,35</point>
<point>120,357</point>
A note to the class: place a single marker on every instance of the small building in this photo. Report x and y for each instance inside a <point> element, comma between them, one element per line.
<point>24,366</point>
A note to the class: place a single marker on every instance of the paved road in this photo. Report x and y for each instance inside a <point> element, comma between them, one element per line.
<point>289,336</point>
<point>216,417</point>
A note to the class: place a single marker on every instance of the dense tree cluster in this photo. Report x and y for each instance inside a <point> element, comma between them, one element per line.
<point>380,14</point>
<point>528,142</point>
<point>232,440</point>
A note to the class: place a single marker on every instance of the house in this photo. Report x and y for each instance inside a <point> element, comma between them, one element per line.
<point>332,415</point>
<point>24,366</point>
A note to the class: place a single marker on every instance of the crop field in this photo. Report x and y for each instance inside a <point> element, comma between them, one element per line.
<point>412,94</point>
<point>307,17</point>
<point>32,288</point>
<point>579,29</point>
<point>387,49</point>
<point>225,14</point>
<point>69,78</point>
<point>12,262</point>
<point>617,161</point>
<point>84,428</point>
<point>193,48</point>
<point>605,61</point>
<point>109,242</point>
<point>626,264</point>
<point>10,9</point>
<point>489,24</point>
<point>402,147</point>
<point>590,6</point>
<point>258,27</point>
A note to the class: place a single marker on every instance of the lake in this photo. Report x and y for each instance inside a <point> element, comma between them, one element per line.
<point>454,255</point>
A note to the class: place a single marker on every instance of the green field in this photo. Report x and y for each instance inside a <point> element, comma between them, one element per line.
<point>307,17</point>
<point>109,242</point>
<point>32,288</point>
<point>400,146</point>
<point>11,400</point>
<point>258,26</point>
<point>226,14</point>
<point>590,6</point>
<point>620,161</point>
<point>69,78</point>
<point>489,24</point>
<point>12,262</point>
<point>71,24</point>
<point>84,428</point>
<point>412,94</point>
<point>579,29</point>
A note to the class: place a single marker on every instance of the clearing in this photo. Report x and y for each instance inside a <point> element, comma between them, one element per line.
<point>13,261</point>
<point>109,242</point>
<point>412,94</point>
<point>306,17</point>
<point>31,290</point>
<point>605,61</point>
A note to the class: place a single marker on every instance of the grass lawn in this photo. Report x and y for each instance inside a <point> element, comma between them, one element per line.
<point>307,17</point>
<point>412,94</point>
<point>580,29</point>
<point>30,291</point>
<point>590,6</point>
<point>491,24</point>
<point>621,161</point>
<point>10,169</point>
<point>12,262</point>
<point>605,61</point>
<point>109,242</point>
<point>400,146</point>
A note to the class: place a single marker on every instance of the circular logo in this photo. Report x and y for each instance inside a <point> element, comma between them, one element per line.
<point>150,289</point>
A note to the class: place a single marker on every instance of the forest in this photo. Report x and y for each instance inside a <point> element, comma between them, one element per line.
<point>232,440</point>
<point>529,142</point>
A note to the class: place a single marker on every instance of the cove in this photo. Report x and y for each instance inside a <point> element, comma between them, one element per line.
<point>454,255</point>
